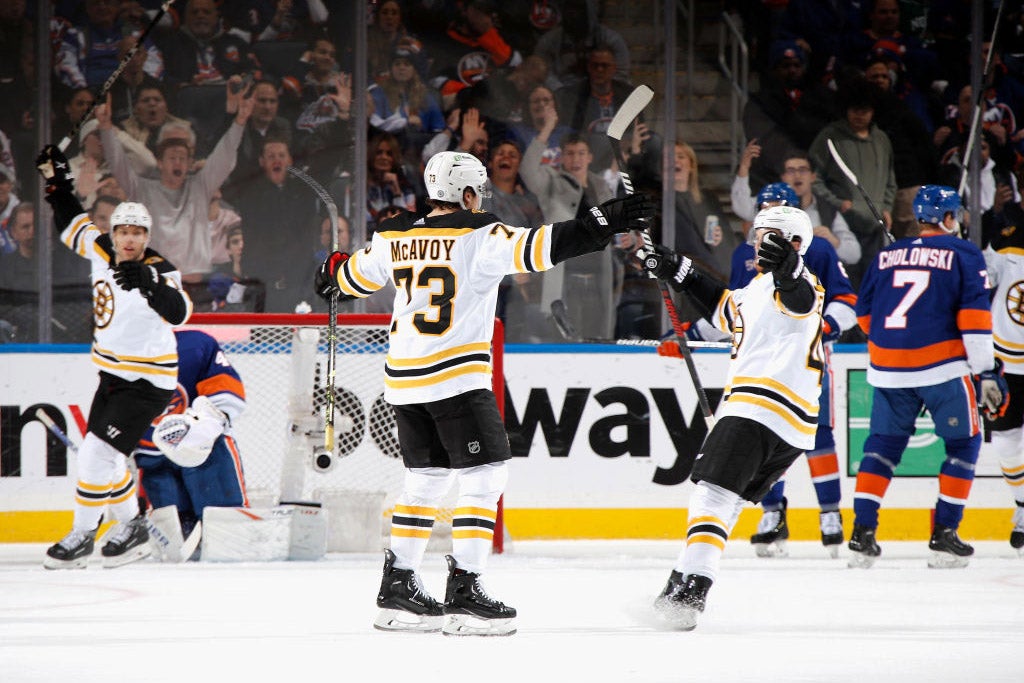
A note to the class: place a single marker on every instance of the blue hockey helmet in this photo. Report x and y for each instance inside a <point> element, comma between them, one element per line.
<point>777,192</point>
<point>933,202</point>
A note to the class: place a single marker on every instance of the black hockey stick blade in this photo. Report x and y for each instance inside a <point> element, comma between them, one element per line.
<point>560,314</point>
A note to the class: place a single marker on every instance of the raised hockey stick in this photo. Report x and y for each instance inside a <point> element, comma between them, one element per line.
<point>627,113</point>
<point>972,139</point>
<point>101,96</point>
<point>560,316</point>
<point>162,540</point>
<point>332,311</point>
<point>852,177</point>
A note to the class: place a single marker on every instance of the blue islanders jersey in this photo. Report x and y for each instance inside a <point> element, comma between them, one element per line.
<point>822,260</point>
<point>203,369</point>
<point>924,304</point>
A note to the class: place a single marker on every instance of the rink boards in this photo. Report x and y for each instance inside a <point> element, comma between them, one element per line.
<point>600,435</point>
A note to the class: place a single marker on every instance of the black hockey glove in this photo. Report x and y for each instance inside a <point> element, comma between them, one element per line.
<point>326,281</point>
<point>993,391</point>
<point>135,275</point>
<point>55,169</point>
<point>618,215</point>
<point>665,264</point>
<point>778,257</point>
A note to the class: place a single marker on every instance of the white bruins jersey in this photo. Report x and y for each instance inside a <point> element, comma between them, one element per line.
<point>1006,273</point>
<point>130,339</point>
<point>446,270</point>
<point>777,359</point>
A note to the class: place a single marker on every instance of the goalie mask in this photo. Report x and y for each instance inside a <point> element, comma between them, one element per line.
<point>449,173</point>
<point>793,223</point>
<point>187,438</point>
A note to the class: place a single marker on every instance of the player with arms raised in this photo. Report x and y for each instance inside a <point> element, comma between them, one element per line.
<point>137,299</point>
<point>446,268</point>
<point>924,304</point>
<point>769,413</point>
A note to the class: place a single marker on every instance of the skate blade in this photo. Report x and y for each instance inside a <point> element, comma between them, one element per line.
<point>188,548</point>
<point>54,563</point>
<point>860,560</point>
<point>773,549</point>
<point>139,552</point>
<point>468,625</point>
<point>942,560</point>
<point>675,616</point>
<point>406,622</point>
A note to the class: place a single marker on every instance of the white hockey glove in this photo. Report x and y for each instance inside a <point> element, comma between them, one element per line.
<point>188,438</point>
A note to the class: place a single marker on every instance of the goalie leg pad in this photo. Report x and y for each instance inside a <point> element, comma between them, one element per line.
<point>308,539</point>
<point>165,537</point>
<point>236,534</point>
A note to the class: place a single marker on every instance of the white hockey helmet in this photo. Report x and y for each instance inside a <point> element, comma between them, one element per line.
<point>449,173</point>
<point>792,222</point>
<point>131,213</point>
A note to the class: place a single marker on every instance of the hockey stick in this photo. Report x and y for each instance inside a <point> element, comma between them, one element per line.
<point>332,310</point>
<point>109,83</point>
<point>190,544</point>
<point>560,316</point>
<point>972,139</point>
<point>852,177</point>
<point>627,113</point>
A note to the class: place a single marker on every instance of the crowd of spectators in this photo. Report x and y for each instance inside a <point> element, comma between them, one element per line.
<point>223,97</point>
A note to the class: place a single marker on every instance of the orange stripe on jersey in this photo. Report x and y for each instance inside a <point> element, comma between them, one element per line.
<point>974,319</point>
<point>823,465</point>
<point>220,384</point>
<point>865,323</point>
<point>932,354</point>
<point>954,487</point>
<point>236,459</point>
<point>849,298</point>
<point>872,484</point>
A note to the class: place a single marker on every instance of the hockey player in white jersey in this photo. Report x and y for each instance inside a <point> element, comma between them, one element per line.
<point>769,412</point>
<point>446,268</point>
<point>137,299</point>
<point>1004,259</point>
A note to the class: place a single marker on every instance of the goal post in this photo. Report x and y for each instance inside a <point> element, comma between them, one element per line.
<point>282,360</point>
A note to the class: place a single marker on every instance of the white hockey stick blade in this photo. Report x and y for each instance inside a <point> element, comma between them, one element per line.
<point>630,109</point>
<point>847,171</point>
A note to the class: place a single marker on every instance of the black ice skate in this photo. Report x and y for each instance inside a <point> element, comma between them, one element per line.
<point>772,532</point>
<point>1017,535</point>
<point>72,551</point>
<point>683,599</point>
<point>948,551</point>
<point>864,547</point>
<point>404,603</point>
<point>126,542</point>
<point>470,611</point>
<point>832,531</point>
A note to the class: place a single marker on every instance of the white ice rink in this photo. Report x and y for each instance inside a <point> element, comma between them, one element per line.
<point>583,617</point>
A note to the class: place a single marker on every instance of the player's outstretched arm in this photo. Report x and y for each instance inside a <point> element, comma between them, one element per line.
<point>594,231</point>
<point>56,172</point>
<point>682,274</point>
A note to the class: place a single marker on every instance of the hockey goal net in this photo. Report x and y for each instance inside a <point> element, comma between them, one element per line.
<point>282,360</point>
